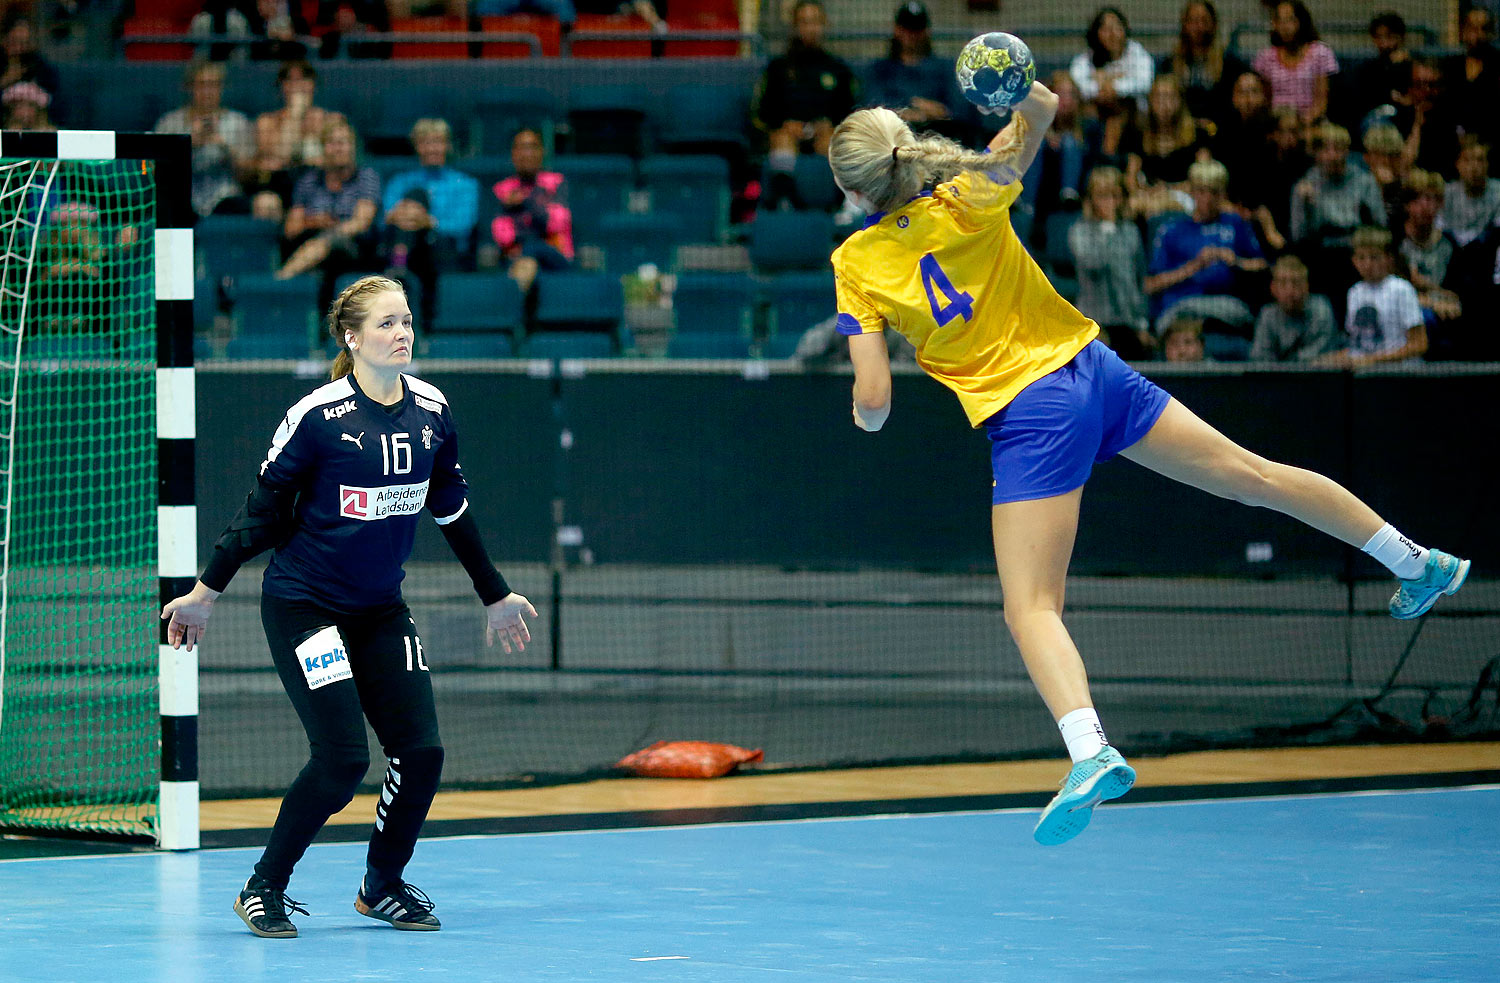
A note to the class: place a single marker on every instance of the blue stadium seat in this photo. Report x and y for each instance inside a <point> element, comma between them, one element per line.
<point>67,346</point>
<point>791,240</point>
<point>265,307</point>
<point>608,119</point>
<point>798,301</point>
<point>128,108</point>
<point>486,345</point>
<point>814,182</point>
<point>478,302</point>
<point>630,240</point>
<point>782,345</point>
<point>387,166</point>
<point>400,106</point>
<point>695,345</point>
<point>489,171</point>
<point>570,344</point>
<point>598,185</point>
<point>699,115</point>
<point>693,187</point>
<point>268,346</point>
<point>499,115</point>
<point>715,303</point>
<point>228,245</point>
<point>578,300</point>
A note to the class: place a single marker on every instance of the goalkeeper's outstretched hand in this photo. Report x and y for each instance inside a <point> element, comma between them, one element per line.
<point>505,620</point>
<point>187,616</point>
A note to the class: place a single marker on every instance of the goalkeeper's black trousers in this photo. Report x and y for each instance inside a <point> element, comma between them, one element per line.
<point>340,668</point>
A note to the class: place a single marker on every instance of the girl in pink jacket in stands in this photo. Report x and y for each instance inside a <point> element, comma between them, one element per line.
<point>535,229</point>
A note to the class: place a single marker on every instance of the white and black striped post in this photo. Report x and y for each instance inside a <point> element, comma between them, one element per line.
<point>177,525</point>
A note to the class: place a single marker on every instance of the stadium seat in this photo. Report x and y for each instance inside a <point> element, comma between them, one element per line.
<point>389,131</point>
<point>608,119</point>
<point>781,345</point>
<point>140,27</point>
<point>703,117</point>
<point>429,49</point>
<point>546,30</point>
<point>615,47</point>
<point>67,346</point>
<point>695,188</point>
<point>630,241</point>
<point>791,240</point>
<point>485,345</point>
<point>489,170</point>
<point>578,300</point>
<point>598,185</point>
<point>715,303</point>
<point>693,345</point>
<point>704,15</point>
<point>265,307</point>
<point>798,301</point>
<point>228,245</point>
<point>271,346</point>
<point>570,344</point>
<point>478,302</point>
<point>498,115</point>
<point>126,108</point>
<point>814,182</point>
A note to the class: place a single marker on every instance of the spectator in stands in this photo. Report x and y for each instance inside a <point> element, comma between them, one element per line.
<point>1427,119</point>
<point>1472,204</point>
<point>535,228</point>
<point>1199,265</point>
<point>223,21</point>
<point>452,195</point>
<point>1384,320</point>
<point>408,248</point>
<point>801,96</point>
<point>1182,341</point>
<point>1472,276</point>
<point>297,127</point>
<point>1054,182</point>
<point>1297,64</point>
<point>1160,148</point>
<point>1298,326</point>
<point>20,61</point>
<point>1376,81</point>
<point>1204,70</point>
<point>331,225</point>
<point>1426,251</point>
<point>1115,73</point>
<point>1270,189</point>
<point>919,86</point>
<point>277,26</point>
<point>1111,262</point>
<point>1385,158</point>
<point>1328,205</point>
<point>269,179</point>
<point>25,105</point>
<point>223,141</point>
<point>1472,79</point>
<point>340,20</point>
<point>562,10</point>
<point>1244,137</point>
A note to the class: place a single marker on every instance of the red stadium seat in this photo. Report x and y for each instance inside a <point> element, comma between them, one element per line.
<point>544,29</point>
<point>611,49</point>
<point>156,51</point>
<point>429,25</point>
<point>176,11</point>
<point>706,15</point>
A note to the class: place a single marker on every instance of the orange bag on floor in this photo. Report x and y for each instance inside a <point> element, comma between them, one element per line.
<point>687,759</point>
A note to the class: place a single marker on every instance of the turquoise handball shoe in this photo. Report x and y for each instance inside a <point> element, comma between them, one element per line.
<point>1092,781</point>
<point>1444,574</point>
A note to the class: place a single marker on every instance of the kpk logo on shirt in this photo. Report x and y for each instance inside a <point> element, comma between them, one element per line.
<point>373,504</point>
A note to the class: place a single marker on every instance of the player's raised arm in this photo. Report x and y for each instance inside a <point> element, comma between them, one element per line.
<point>1036,113</point>
<point>872,380</point>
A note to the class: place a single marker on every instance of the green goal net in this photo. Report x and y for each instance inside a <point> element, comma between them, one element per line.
<point>79,725</point>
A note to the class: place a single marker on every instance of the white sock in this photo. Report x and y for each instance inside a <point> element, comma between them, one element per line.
<point>1400,555</point>
<point>1082,733</point>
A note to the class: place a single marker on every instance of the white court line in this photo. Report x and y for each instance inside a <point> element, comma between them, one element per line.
<point>876,817</point>
<point>655,959</point>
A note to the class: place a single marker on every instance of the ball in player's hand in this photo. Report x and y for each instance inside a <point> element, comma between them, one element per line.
<point>995,70</point>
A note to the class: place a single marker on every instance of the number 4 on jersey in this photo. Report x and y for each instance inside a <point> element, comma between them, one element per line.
<point>959,302</point>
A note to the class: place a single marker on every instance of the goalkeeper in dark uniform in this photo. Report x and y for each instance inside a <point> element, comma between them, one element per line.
<point>348,471</point>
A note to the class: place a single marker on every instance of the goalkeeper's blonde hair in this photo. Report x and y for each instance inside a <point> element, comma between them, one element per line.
<point>347,313</point>
<point>874,153</point>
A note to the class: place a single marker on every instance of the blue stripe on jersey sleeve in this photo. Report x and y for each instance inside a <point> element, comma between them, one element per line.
<point>848,325</point>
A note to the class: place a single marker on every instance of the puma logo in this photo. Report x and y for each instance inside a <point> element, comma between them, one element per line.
<point>354,440</point>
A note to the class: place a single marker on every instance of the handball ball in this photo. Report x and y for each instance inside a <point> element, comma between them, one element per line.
<point>995,70</point>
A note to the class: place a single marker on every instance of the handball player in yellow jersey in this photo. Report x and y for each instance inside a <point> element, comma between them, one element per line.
<point>938,261</point>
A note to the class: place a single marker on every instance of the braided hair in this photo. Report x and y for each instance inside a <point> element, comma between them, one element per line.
<point>874,153</point>
<point>348,313</point>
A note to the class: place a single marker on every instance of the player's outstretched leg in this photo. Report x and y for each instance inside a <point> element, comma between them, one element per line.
<point>1033,543</point>
<point>1184,448</point>
<point>264,909</point>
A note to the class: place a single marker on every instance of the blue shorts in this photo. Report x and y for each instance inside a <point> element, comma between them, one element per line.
<point>1046,440</point>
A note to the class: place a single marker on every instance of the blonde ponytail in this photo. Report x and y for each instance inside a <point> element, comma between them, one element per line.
<point>347,314</point>
<point>874,153</point>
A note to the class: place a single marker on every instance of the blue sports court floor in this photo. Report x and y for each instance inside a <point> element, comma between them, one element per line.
<point>1400,886</point>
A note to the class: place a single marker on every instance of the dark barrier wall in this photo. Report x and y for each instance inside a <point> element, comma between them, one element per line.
<point>668,467</point>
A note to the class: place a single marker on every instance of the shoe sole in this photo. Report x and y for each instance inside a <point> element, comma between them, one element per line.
<point>1069,816</point>
<point>369,912</point>
<point>1449,591</point>
<point>239,909</point>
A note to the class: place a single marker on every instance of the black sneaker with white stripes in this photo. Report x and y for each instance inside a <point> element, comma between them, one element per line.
<point>264,909</point>
<point>403,906</point>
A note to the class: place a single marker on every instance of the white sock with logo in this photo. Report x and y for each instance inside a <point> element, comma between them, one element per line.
<point>1082,733</point>
<point>1400,555</point>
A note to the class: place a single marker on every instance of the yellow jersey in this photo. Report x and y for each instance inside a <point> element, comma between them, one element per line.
<point>951,275</point>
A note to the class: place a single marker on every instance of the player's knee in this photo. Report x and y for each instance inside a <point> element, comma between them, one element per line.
<point>1019,615</point>
<point>426,761</point>
<point>339,773</point>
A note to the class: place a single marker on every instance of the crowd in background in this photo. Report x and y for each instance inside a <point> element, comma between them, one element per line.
<point>1194,204</point>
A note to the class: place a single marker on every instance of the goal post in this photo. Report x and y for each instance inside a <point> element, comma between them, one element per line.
<point>98,716</point>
